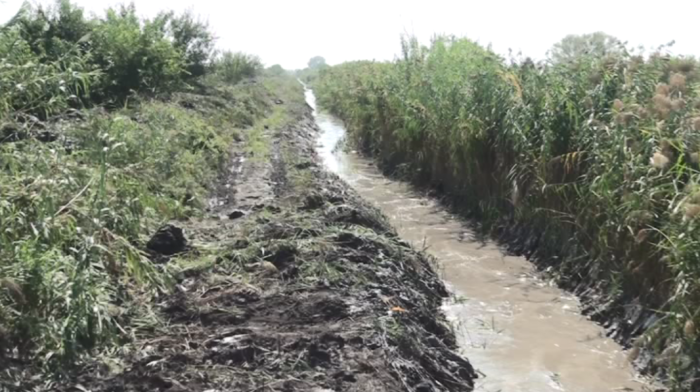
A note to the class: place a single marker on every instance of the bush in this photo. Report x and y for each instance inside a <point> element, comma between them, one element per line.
<point>275,70</point>
<point>53,31</point>
<point>136,56</point>
<point>316,66</point>
<point>193,38</point>
<point>233,67</point>
<point>575,47</point>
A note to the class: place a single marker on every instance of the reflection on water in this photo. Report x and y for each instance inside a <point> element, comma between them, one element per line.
<point>521,332</point>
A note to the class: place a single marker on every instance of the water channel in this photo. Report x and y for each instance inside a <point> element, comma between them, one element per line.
<point>520,331</point>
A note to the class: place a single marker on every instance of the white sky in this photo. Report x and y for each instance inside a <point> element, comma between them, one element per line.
<point>292,31</point>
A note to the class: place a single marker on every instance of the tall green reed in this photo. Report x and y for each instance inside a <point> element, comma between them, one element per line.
<point>598,157</point>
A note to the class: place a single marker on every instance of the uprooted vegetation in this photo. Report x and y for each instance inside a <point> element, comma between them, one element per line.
<point>84,186</point>
<point>289,281</point>
<point>164,225</point>
<point>588,164</point>
<point>304,303</point>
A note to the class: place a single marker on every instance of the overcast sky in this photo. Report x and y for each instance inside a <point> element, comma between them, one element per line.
<point>289,32</point>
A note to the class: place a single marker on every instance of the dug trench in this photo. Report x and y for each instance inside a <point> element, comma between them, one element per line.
<point>625,317</point>
<point>519,330</point>
<point>308,289</point>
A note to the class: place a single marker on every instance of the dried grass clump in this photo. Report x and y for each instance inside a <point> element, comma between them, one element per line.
<point>692,210</point>
<point>642,236</point>
<point>663,89</point>
<point>695,157</point>
<point>624,118</point>
<point>677,105</point>
<point>677,82</point>
<point>696,124</point>
<point>659,160</point>
<point>618,105</point>
<point>667,148</point>
<point>689,329</point>
<point>662,106</point>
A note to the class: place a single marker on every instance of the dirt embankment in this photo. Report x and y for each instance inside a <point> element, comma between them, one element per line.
<point>310,290</point>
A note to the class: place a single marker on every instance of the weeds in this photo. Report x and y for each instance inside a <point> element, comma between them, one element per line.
<point>30,86</point>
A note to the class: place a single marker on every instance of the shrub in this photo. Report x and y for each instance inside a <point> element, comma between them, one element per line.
<point>137,56</point>
<point>52,31</point>
<point>275,70</point>
<point>316,66</point>
<point>234,67</point>
<point>193,38</point>
<point>134,55</point>
<point>575,47</point>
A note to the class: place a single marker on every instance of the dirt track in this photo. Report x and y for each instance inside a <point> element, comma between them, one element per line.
<point>314,293</point>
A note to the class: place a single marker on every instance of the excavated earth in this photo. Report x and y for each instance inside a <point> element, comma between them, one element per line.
<point>311,290</point>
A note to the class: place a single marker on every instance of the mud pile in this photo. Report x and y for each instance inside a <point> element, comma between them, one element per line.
<point>311,291</point>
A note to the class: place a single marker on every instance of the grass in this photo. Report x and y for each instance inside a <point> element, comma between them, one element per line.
<point>596,157</point>
<point>258,145</point>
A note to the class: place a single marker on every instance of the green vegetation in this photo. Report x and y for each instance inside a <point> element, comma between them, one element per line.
<point>595,158</point>
<point>233,67</point>
<point>275,70</point>
<point>83,187</point>
<point>56,58</point>
<point>572,47</point>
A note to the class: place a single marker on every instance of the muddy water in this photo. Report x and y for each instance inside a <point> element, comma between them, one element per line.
<point>521,332</point>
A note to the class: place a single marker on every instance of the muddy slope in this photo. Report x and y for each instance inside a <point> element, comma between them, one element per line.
<point>312,291</point>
